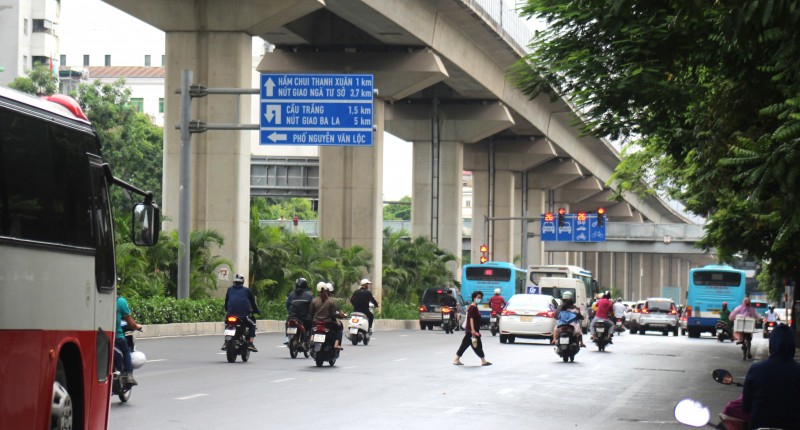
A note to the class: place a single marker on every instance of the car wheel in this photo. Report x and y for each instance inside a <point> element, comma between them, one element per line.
<point>694,333</point>
<point>675,331</point>
<point>421,325</point>
<point>511,339</point>
<point>503,338</point>
<point>665,333</point>
<point>430,326</point>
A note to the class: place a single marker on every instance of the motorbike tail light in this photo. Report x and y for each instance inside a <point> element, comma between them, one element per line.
<point>354,320</point>
<point>673,312</point>
<point>548,314</point>
<point>494,313</point>
<point>507,312</point>
<point>292,323</point>
<point>232,319</point>
<point>446,309</point>
<point>422,308</point>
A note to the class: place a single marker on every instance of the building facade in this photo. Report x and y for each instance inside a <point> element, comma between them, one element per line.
<point>28,35</point>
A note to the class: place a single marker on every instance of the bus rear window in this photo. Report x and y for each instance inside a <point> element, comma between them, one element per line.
<point>488,274</point>
<point>536,276</point>
<point>719,279</point>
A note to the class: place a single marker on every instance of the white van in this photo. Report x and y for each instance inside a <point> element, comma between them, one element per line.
<point>556,286</point>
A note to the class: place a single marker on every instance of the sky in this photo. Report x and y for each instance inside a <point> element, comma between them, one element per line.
<point>92,27</point>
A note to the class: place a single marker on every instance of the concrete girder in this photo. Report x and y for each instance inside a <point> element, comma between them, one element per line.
<point>517,155</point>
<point>253,17</point>
<point>397,75</point>
<point>579,190</point>
<point>465,123</point>
<point>555,174</point>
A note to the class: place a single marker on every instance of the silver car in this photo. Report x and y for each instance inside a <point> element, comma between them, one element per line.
<point>656,314</point>
<point>530,316</point>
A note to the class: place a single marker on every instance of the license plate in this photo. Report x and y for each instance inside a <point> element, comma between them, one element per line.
<point>719,332</point>
<point>600,329</point>
<point>526,318</point>
<point>291,330</point>
<point>319,338</point>
<point>563,340</point>
<point>492,319</point>
<point>230,332</point>
<point>353,330</point>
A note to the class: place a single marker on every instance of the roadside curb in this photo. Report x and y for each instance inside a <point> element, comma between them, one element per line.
<point>262,326</point>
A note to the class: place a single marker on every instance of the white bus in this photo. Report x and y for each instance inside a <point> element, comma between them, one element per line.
<point>57,274</point>
<point>536,272</point>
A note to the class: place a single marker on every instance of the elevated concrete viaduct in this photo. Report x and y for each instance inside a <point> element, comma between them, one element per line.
<point>440,68</point>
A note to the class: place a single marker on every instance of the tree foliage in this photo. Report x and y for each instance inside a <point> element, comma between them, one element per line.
<point>398,212</point>
<point>269,208</point>
<point>708,94</point>
<point>412,264</point>
<point>39,81</point>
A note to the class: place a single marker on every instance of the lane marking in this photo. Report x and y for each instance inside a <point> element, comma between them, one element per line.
<point>454,410</point>
<point>401,359</point>
<point>193,396</point>
<point>155,360</point>
<point>221,353</point>
<point>505,391</point>
<point>350,367</point>
<point>282,380</point>
<point>403,335</point>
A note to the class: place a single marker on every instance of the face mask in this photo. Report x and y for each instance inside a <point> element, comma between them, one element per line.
<point>478,300</point>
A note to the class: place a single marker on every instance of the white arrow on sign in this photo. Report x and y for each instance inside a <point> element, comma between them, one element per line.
<point>275,137</point>
<point>273,111</point>
<point>269,85</point>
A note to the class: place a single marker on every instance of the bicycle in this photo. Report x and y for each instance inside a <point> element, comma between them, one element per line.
<point>746,339</point>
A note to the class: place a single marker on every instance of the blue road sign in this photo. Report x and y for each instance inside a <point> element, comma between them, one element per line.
<point>573,230</point>
<point>316,109</point>
<point>532,289</point>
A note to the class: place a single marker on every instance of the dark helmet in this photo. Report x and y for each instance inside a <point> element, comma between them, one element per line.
<point>301,283</point>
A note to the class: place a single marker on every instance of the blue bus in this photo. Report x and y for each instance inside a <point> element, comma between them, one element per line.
<point>709,286</point>
<point>486,277</point>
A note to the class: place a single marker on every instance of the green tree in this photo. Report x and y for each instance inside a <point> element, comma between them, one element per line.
<point>399,212</point>
<point>39,81</point>
<point>268,208</point>
<point>708,94</point>
<point>411,265</point>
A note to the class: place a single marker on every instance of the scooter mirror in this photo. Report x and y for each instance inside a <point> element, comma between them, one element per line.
<point>722,376</point>
<point>692,413</point>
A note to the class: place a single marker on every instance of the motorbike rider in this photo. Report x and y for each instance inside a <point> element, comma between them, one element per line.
<point>601,316</point>
<point>324,310</point>
<point>619,310</point>
<point>361,299</point>
<point>569,314</point>
<point>771,315</point>
<point>772,387</point>
<point>120,343</point>
<point>497,302</point>
<point>298,303</point>
<point>745,310</point>
<point>239,301</point>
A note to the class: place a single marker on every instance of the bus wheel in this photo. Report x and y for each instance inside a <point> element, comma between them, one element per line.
<point>61,409</point>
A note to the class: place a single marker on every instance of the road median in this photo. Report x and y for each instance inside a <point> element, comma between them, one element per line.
<point>263,326</point>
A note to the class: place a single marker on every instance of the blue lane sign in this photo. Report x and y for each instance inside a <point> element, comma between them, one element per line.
<point>573,230</point>
<point>316,109</point>
<point>532,289</point>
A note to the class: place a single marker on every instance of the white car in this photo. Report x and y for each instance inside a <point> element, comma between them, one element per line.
<point>530,316</point>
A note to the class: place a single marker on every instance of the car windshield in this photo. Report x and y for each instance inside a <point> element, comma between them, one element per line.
<point>659,306</point>
<point>534,302</point>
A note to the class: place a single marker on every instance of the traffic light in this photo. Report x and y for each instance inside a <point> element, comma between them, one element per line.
<point>601,217</point>
<point>561,213</point>
<point>484,251</point>
<point>484,259</point>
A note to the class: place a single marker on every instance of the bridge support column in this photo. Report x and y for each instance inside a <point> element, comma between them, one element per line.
<point>220,185</point>
<point>501,233</point>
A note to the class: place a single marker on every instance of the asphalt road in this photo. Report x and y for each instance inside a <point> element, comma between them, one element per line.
<point>404,380</point>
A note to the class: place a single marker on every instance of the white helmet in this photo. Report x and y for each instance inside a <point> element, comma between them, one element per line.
<point>497,291</point>
<point>138,358</point>
<point>321,286</point>
<point>329,286</point>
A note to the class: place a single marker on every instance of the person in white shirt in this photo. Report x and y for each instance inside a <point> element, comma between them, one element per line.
<point>771,315</point>
<point>619,310</point>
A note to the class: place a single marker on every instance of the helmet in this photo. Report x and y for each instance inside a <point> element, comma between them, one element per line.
<point>725,304</point>
<point>329,286</point>
<point>497,291</point>
<point>321,286</point>
<point>138,358</point>
<point>365,281</point>
<point>238,279</point>
<point>301,283</point>
<point>772,308</point>
<point>566,295</point>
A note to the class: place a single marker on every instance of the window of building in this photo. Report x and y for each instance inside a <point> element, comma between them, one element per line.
<point>62,60</point>
<point>25,26</point>
<point>85,61</point>
<point>161,105</point>
<point>42,26</point>
<point>108,60</point>
<point>138,104</point>
<point>147,61</point>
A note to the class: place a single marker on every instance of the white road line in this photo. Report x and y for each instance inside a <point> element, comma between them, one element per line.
<point>401,359</point>
<point>155,360</point>
<point>403,335</point>
<point>505,391</point>
<point>193,396</point>
<point>281,346</point>
<point>454,410</point>
<point>282,380</point>
<point>221,353</point>
<point>349,367</point>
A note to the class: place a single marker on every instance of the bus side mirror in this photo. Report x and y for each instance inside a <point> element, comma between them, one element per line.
<point>146,222</point>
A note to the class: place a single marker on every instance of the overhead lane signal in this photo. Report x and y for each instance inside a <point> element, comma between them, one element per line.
<point>484,253</point>
<point>561,213</point>
<point>601,217</point>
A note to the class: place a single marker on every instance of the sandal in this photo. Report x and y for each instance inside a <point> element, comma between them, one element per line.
<point>458,363</point>
<point>488,363</point>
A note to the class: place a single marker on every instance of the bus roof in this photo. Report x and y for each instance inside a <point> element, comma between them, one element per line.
<point>40,103</point>
<point>716,267</point>
<point>495,264</point>
<point>559,267</point>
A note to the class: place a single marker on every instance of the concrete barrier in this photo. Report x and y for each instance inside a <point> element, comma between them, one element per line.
<point>262,326</point>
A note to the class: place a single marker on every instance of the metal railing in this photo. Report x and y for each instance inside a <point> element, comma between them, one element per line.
<point>503,16</point>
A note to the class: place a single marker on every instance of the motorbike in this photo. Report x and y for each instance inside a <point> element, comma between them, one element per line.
<point>138,359</point>
<point>236,340</point>
<point>723,332</point>
<point>602,335</point>
<point>298,337</point>
<point>566,344</point>
<point>494,323</point>
<point>768,327</point>
<point>448,319</point>
<point>323,340</point>
<point>358,328</point>
<point>695,414</point>
<point>618,326</point>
